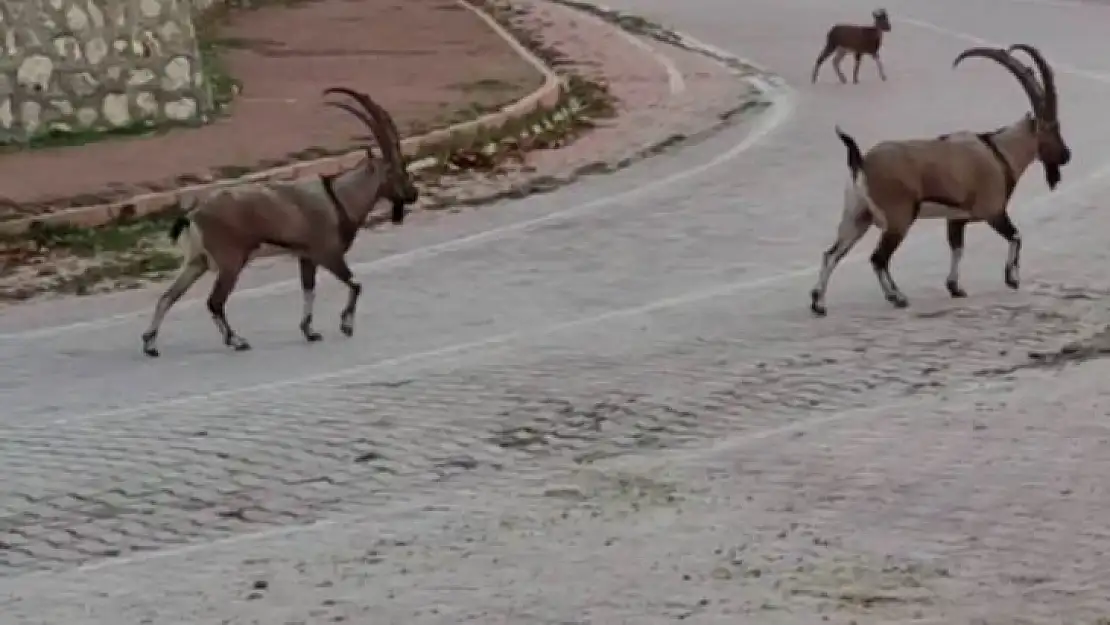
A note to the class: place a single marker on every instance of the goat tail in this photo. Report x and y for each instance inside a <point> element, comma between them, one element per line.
<point>190,240</point>
<point>855,156</point>
<point>857,197</point>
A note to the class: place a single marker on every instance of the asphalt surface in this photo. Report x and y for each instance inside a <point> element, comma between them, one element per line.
<point>623,412</point>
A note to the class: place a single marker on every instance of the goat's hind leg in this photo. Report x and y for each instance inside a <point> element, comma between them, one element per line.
<point>338,267</point>
<point>825,53</point>
<point>190,272</point>
<point>308,290</point>
<point>853,225</point>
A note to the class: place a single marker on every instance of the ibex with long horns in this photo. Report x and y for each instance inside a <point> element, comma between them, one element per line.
<point>315,219</point>
<point>962,177</point>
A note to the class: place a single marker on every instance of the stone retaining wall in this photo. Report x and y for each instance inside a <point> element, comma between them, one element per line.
<point>96,65</point>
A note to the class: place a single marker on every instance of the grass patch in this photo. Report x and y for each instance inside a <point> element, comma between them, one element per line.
<point>88,242</point>
<point>79,261</point>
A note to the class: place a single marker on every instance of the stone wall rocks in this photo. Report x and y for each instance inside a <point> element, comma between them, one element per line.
<point>98,65</point>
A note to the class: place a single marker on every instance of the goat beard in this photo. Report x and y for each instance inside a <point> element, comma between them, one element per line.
<point>397,214</point>
<point>1052,175</point>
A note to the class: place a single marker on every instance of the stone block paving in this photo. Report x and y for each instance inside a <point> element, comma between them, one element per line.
<point>199,470</point>
<point>947,506</point>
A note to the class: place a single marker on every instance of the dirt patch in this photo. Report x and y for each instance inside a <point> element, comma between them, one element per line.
<point>429,62</point>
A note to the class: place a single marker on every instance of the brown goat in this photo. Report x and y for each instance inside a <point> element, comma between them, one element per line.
<point>315,219</point>
<point>962,177</point>
<point>858,40</point>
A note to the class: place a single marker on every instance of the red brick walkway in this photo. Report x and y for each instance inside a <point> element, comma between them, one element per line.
<point>424,60</point>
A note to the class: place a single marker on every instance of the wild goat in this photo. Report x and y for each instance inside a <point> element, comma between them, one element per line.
<point>315,219</point>
<point>962,177</point>
<point>856,39</point>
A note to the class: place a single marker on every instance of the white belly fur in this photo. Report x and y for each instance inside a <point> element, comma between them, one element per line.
<point>930,210</point>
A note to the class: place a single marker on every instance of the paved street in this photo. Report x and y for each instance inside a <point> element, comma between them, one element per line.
<point>622,412</point>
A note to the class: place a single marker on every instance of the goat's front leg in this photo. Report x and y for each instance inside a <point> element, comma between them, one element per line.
<point>879,64</point>
<point>308,291</point>
<point>338,267</point>
<point>1004,227</point>
<point>855,70</point>
<point>956,228</point>
<point>836,60</point>
<point>221,290</point>
<point>880,262</point>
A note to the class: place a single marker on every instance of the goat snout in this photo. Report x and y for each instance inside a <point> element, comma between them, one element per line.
<point>1065,156</point>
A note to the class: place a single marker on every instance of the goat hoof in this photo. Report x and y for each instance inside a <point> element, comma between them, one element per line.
<point>347,330</point>
<point>1012,282</point>
<point>312,337</point>
<point>816,305</point>
<point>898,300</point>
<point>954,290</point>
<point>148,345</point>
<point>238,344</point>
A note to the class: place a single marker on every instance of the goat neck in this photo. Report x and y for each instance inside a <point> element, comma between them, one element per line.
<point>1018,143</point>
<point>359,189</point>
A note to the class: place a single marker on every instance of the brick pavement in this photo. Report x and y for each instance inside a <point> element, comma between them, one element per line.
<point>304,451</point>
<point>828,515</point>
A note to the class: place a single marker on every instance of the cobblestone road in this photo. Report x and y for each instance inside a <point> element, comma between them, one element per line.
<point>623,416</point>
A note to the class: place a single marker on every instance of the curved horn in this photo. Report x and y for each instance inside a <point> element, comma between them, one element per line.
<point>381,127</point>
<point>1012,64</point>
<point>381,135</point>
<point>388,124</point>
<point>380,113</point>
<point>1048,77</point>
<point>362,117</point>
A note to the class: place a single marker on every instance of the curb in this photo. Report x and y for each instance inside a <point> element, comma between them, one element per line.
<point>547,96</point>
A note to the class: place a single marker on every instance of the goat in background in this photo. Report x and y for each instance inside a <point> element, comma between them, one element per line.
<point>857,40</point>
<point>962,177</point>
<point>315,219</point>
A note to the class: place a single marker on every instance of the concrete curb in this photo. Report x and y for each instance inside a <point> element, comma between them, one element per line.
<point>547,96</point>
